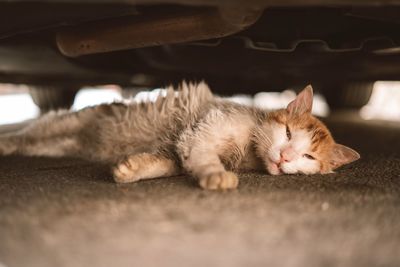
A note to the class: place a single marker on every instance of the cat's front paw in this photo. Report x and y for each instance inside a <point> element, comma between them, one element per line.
<point>125,171</point>
<point>219,180</point>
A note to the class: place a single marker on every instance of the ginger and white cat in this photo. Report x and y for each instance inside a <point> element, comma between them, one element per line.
<point>189,132</point>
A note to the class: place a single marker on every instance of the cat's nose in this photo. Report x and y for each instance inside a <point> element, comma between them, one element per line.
<point>287,155</point>
<point>283,158</point>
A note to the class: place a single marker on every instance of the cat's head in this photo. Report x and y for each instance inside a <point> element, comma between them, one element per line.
<point>292,141</point>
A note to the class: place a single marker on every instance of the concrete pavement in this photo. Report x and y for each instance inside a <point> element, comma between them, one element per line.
<point>67,212</point>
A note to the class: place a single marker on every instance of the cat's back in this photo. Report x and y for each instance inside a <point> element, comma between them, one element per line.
<point>173,108</point>
<point>144,126</point>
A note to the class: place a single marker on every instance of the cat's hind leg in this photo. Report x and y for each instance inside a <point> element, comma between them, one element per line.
<point>144,166</point>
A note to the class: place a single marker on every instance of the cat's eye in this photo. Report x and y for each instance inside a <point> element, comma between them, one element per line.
<point>308,156</point>
<point>288,133</point>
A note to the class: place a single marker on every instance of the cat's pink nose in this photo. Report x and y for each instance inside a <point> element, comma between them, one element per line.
<point>283,159</point>
<point>287,154</point>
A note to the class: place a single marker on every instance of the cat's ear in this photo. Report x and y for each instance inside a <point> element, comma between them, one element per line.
<point>303,102</point>
<point>341,155</point>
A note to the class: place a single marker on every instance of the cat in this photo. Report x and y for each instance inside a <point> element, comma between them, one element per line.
<point>188,131</point>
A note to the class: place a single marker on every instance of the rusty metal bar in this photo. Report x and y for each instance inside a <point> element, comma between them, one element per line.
<point>144,31</point>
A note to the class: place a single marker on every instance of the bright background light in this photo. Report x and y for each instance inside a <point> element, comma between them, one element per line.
<point>16,104</point>
<point>92,96</point>
<point>16,108</point>
<point>384,103</point>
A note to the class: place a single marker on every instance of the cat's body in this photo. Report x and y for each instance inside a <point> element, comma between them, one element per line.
<point>189,131</point>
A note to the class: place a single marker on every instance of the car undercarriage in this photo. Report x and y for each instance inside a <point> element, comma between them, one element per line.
<point>248,47</point>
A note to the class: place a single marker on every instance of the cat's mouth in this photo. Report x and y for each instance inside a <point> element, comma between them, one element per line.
<point>280,168</point>
<point>277,167</point>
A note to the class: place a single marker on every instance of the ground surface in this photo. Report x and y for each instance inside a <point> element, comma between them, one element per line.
<point>66,212</point>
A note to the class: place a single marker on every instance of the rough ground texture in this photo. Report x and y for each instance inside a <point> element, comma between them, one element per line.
<point>66,212</point>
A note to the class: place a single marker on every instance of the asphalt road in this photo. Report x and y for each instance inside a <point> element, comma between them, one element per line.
<point>67,212</point>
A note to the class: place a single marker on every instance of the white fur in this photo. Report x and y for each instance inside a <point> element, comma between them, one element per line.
<point>205,144</point>
<point>277,133</point>
<point>301,144</point>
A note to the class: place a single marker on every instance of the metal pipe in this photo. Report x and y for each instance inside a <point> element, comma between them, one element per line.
<point>157,29</point>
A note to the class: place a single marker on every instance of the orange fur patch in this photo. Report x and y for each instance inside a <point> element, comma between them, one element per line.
<point>322,141</point>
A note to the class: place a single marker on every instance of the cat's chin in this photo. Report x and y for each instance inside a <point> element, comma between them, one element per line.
<point>279,169</point>
<point>286,169</point>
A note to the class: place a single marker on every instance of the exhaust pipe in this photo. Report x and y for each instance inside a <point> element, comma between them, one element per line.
<point>153,30</point>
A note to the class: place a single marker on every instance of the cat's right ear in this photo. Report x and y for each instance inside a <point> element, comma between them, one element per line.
<point>303,102</point>
<point>342,155</point>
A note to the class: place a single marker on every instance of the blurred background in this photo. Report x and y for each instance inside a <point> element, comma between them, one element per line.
<point>17,105</point>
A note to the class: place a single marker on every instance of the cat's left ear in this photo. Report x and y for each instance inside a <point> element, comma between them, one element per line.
<point>303,102</point>
<point>341,155</point>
